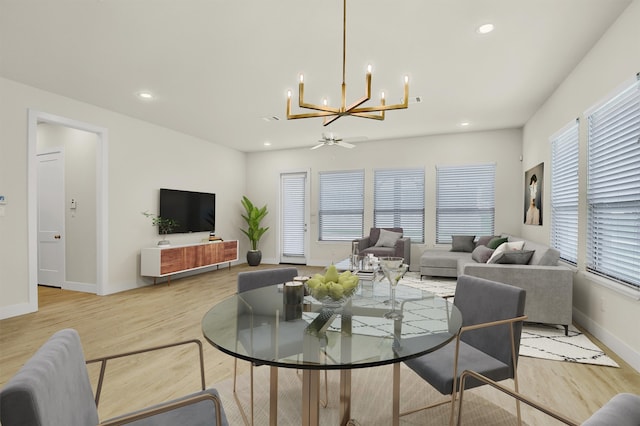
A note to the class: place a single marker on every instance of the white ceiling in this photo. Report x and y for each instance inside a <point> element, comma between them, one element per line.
<point>218,68</point>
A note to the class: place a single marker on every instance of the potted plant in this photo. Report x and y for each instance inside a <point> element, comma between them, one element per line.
<point>165,226</point>
<point>254,231</point>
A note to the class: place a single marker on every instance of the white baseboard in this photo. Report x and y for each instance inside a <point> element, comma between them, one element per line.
<point>83,287</point>
<point>628,354</point>
<point>16,310</point>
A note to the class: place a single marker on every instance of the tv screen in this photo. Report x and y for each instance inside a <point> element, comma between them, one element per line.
<point>194,211</point>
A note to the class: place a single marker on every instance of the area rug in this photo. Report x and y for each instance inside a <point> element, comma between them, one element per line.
<point>538,340</point>
<point>370,404</point>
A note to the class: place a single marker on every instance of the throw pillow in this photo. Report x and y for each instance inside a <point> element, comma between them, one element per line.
<point>494,243</point>
<point>463,243</point>
<point>484,241</point>
<point>388,238</point>
<point>481,254</point>
<point>515,257</point>
<point>516,245</point>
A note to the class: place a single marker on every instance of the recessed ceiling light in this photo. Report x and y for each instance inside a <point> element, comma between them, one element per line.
<point>145,95</point>
<point>267,143</point>
<point>485,28</point>
<point>464,124</point>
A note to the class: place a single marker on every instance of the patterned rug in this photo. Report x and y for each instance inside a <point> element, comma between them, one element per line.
<point>538,340</point>
<point>370,403</point>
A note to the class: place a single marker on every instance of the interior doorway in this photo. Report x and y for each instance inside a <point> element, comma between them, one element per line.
<point>99,191</point>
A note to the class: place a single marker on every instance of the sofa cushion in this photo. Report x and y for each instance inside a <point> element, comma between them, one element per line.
<point>543,255</point>
<point>374,234</point>
<point>516,245</point>
<point>481,254</point>
<point>379,251</point>
<point>495,243</point>
<point>514,257</point>
<point>484,240</point>
<point>388,238</point>
<point>463,243</point>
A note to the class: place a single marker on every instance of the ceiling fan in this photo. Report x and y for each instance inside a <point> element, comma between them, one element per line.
<point>329,139</point>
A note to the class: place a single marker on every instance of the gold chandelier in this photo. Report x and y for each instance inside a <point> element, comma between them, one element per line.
<point>331,114</point>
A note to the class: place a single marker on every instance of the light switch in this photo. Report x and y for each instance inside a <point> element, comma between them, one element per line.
<point>73,203</point>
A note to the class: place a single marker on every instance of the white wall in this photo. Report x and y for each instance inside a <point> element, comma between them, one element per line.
<point>501,147</point>
<point>608,314</point>
<point>141,159</point>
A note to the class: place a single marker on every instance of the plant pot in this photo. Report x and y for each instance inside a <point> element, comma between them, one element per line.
<point>254,257</point>
<point>164,243</point>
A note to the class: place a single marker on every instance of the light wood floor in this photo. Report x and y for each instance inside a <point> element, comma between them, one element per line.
<point>158,314</point>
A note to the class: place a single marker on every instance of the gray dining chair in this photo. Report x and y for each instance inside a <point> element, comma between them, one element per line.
<point>488,342</point>
<point>621,410</point>
<point>53,388</point>
<point>251,280</point>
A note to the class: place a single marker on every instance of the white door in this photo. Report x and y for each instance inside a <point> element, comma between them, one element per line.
<point>51,245</point>
<point>294,218</point>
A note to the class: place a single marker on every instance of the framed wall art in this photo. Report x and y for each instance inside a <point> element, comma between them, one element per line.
<point>533,184</point>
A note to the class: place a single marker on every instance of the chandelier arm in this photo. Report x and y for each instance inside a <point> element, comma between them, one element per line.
<point>329,120</point>
<point>310,115</point>
<point>303,104</point>
<point>379,108</point>
<point>371,116</point>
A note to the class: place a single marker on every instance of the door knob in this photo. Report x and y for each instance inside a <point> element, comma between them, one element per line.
<point>57,237</point>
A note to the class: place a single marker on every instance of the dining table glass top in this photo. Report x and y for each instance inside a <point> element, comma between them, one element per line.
<point>252,326</point>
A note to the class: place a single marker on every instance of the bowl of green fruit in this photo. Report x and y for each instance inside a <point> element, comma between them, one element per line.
<point>333,289</point>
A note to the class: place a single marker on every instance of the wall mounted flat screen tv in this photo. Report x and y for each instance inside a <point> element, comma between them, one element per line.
<point>194,211</point>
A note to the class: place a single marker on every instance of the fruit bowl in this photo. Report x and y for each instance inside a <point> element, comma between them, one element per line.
<point>333,290</point>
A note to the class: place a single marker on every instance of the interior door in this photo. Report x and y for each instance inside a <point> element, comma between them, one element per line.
<point>51,244</point>
<point>294,218</point>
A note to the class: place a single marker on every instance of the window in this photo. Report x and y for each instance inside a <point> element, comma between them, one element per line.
<point>465,201</point>
<point>613,188</point>
<point>564,193</point>
<point>341,214</point>
<point>399,201</point>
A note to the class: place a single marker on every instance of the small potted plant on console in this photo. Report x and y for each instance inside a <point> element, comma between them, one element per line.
<point>165,226</point>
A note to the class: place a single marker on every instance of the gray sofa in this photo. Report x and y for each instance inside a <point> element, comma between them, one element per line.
<point>549,286</point>
<point>401,247</point>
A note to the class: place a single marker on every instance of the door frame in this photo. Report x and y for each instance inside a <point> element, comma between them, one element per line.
<point>34,118</point>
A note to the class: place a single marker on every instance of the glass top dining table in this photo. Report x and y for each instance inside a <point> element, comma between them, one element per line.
<point>257,326</point>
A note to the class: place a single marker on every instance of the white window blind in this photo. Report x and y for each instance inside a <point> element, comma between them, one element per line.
<point>613,192</point>
<point>465,201</point>
<point>564,193</point>
<point>341,214</point>
<point>293,214</point>
<point>399,201</point>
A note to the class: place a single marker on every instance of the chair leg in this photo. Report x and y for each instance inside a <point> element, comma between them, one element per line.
<point>247,421</point>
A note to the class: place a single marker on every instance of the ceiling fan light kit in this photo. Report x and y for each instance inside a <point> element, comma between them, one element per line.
<point>331,114</point>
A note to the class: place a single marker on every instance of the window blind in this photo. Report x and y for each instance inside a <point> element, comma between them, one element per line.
<point>293,218</point>
<point>564,193</point>
<point>613,192</point>
<point>399,201</point>
<point>465,201</point>
<point>341,212</point>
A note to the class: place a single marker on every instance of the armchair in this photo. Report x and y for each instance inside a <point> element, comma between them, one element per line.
<point>382,242</point>
<point>53,388</point>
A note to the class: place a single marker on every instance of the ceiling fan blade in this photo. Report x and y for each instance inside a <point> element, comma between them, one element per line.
<point>317,146</point>
<point>345,144</point>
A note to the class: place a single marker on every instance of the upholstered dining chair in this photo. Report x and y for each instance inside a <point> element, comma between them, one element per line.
<point>488,342</point>
<point>251,280</point>
<point>621,410</point>
<point>53,388</point>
